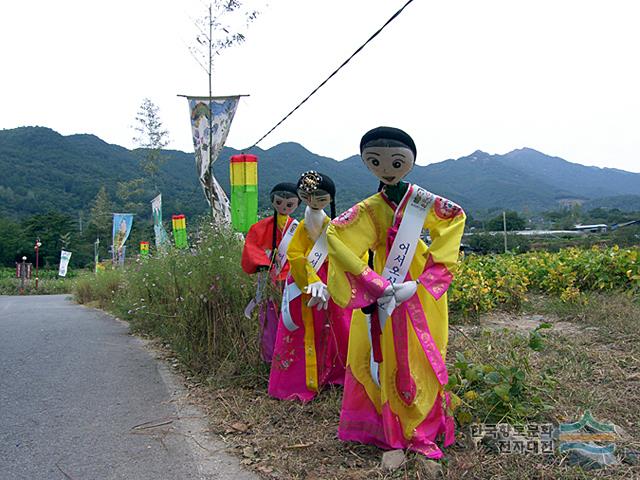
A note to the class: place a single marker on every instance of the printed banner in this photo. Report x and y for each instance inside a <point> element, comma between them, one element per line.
<point>121,228</point>
<point>64,263</point>
<point>211,119</point>
<point>162,238</point>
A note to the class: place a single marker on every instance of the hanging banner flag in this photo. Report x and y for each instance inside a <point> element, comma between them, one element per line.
<point>162,238</point>
<point>180,231</point>
<point>144,249</point>
<point>96,254</point>
<point>244,191</point>
<point>211,119</point>
<point>64,263</point>
<point>121,228</point>
<point>121,255</point>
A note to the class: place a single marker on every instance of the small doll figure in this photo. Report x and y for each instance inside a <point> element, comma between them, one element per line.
<point>311,343</point>
<point>265,250</point>
<point>394,393</point>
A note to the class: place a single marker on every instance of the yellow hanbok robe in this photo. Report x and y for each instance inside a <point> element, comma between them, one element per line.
<point>377,410</point>
<point>313,354</point>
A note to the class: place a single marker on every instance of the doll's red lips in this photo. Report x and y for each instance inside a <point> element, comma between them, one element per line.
<point>388,178</point>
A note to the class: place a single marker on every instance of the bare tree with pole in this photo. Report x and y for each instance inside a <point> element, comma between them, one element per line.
<point>221,28</point>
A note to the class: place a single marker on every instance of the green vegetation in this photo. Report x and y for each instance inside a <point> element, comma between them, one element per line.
<point>193,300</point>
<point>513,222</point>
<point>484,283</point>
<point>49,282</point>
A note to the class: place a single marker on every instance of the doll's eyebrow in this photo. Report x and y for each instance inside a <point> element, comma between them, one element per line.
<point>398,155</point>
<point>373,153</point>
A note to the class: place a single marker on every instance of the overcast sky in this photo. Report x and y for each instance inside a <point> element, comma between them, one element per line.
<point>562,77</point>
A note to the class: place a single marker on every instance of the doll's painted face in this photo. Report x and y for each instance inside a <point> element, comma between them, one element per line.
<point>316,200</point>
<point>284,203</point>
<point>389,164</point>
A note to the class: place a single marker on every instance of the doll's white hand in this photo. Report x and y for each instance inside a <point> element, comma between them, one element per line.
<point>386,294</point>
<point>404,291</point>
<point>387,302</point>
<point>319,295</point>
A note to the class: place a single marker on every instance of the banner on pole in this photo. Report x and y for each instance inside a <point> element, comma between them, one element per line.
<point>121,256</point>
<point>180,231</point>
<point>211,119</point>
<point>96,254</point>
<point>162,238</point>
<point>144,249</point>
<point>244,191</point>
<point>121,228</point>
<point>64,263</point>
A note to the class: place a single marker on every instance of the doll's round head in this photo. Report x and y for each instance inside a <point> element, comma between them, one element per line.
<point>316,190</point>
<point>284,198</point>
<point>389,153</point>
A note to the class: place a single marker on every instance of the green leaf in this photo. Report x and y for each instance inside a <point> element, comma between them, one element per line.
<point>464,417</point>
<point>543,326</point>
<point>502,391</point>
<point>536,342</point>
<point>492,377</point>
<point>460,357</point>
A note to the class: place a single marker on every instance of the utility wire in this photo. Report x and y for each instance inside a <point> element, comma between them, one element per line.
<point>393,17</point>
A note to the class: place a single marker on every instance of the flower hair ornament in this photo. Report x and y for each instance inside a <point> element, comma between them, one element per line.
<point>310,181</point>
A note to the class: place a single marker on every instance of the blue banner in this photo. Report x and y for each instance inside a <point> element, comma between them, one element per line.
<point>121,228</point>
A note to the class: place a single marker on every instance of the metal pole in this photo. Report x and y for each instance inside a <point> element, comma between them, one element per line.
<point>37,248</point>
<point>23,274</point>
<point>504,226</point>
<point>210,95</point>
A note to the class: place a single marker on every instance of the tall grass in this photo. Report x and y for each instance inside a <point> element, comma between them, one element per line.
<point>192,299</point>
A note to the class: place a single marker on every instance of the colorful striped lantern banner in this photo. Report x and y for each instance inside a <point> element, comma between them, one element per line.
<point>179,223</point>
<point>244,191</point>
<point>144,249</point>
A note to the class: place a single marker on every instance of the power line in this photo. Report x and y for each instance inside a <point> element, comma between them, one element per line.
<point>359,49</point>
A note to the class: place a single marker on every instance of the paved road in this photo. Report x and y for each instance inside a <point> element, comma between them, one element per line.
<point>73,384</point>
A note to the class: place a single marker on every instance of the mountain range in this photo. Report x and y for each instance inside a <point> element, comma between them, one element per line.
<point>43,170</point>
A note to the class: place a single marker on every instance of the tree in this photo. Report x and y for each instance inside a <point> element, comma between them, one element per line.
<point>101,214</point>
<point>10,241</point>
<point>220,29</point>
<point>151,137</point>
<point>132,195</point>
<point>51,228</point>
<point>514,222</point>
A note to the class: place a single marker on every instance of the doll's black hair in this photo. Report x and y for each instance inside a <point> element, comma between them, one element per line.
<point>388,137</point>
<point>312,181</point>
<point>284,190</point>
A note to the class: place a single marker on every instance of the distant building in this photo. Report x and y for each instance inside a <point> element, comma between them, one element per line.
<point>570,202</point>
<point>597,228</point>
